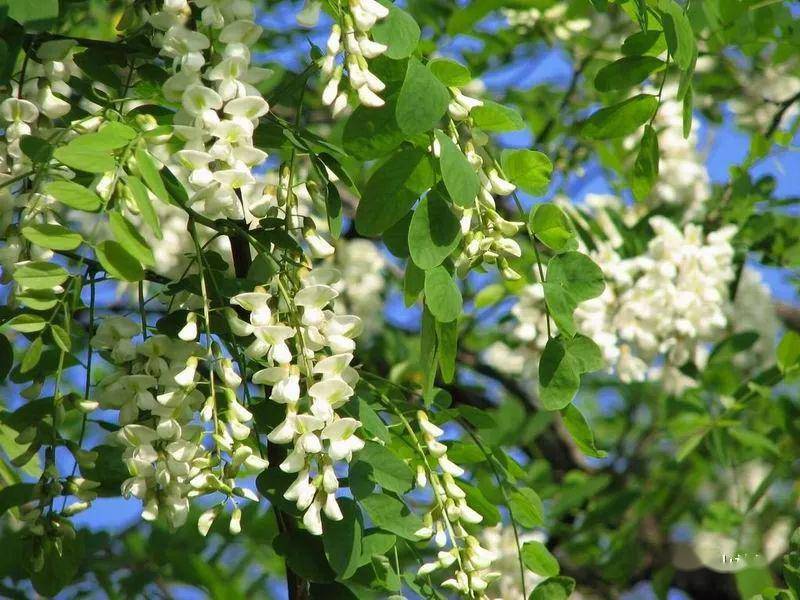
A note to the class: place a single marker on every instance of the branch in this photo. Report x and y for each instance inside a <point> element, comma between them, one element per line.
<point>297,587</point>
<point>555,444</point>
<point>776,120</point>
<point>790,315</point>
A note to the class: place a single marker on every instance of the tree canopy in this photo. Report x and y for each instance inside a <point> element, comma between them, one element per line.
<point>414,299</point>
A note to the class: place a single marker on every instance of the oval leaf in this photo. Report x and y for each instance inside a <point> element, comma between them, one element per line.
<point>118,262</point>
<point>434,232</point>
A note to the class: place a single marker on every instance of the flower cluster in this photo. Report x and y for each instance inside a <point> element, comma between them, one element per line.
<point>159,392</point>
<point>502,541</point>
<point>313,379</point>
<point>668,302</point>
<point>450,517</point>
<point>488,237</point>
<point>351,37</point>
<point>220,107</point>
<point>31,109</point>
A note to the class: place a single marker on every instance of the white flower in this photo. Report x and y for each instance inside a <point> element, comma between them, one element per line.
<point>341,438</point>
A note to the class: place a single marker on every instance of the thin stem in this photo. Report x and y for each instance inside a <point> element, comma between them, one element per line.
<point>142,314</point>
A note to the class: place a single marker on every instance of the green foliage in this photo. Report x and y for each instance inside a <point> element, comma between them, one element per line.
<point>621,119</point>
<point>434,231</point>
<point>538,559</point>
<point>572,277</point>
<point>442,296</point>
<point>459,177</point>
<point>692,439</point>
<point>563,362</point>
<point>118,261</point>
<point>74,195</point>
<point>422,101</point>
<point>552,227</point>
<point>527,169</point>
<point>392,190</point>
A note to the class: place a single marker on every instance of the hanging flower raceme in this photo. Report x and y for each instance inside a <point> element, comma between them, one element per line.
<point>220,107</point>
<point>350,37</point>
<point>488,238</point>
<point>156,391</point>
<point>450,518</point>
<point>306,349</point>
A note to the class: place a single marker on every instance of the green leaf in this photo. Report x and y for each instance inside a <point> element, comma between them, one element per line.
<point>754,441</point>
<point>40,14</point>
<point>687,112</point>
<point>571,278</point>
<point>442,296</point>
<point>15,494</point>
<point>398,31</point>
<point>645,169</point>
<point>580,431</point>
<point>490,295</point>
<point>6,357</point>
<point>117,262</point>
<point>74,195</point>
<point>396,237</point>
<point>788,352</point>
<point>38,299</point>
<point>620,119</point>
<point>496,117</point>
<point>35,148</point>
<point>552,227</point>
<point>111,137</point>
<point>146,210</point>
<point>60,566</point>
<point>54,237</point>
<point>40,275</point>
<point>423,100</point>
<point>126,235</point>
<point>85,158</point>
<point>370,420</point>
<point>392,515</point>
<point>150,174</point>
<point>116,135</point>
<point>413,283</point>
<point>459,177</point>
<point>526,507</point>
<point>342,539</point>
<point>626,73</point>
<point>563,362</point>
<point>527,169</point>
<point>447,335</point>
<point>538,559</point>
<point>26,323</point>
<point>333,210</point>
<point>374,542</point>
<point>434,232</point>
<point>678,32</point>
<point>450,72</point>
<point>428,352</point>
<point>31,356</point>
<point>372,132</point>
<point>386,469</point>
<point>650,42</point>
<point>109,470</point>
<point>61,337</point>
<point>392,190</point>
<point>305,555</point>
<point>553,588</point>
